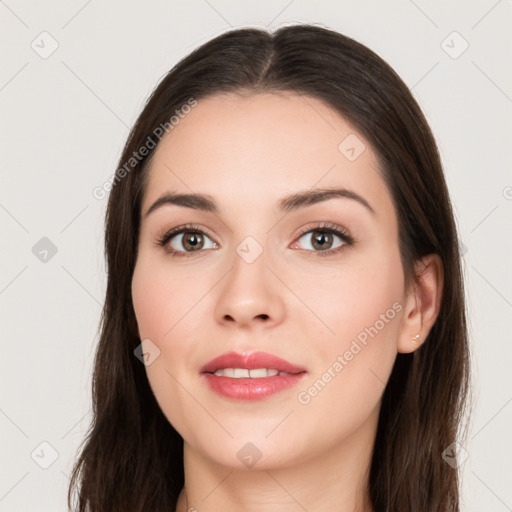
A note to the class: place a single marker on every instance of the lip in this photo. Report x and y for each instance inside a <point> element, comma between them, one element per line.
<point>250,361</point>
<point>247,389</point>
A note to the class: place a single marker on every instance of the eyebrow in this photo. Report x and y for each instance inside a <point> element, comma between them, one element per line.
<point>206,203</point>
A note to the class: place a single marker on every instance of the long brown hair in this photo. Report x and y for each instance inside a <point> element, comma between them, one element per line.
<point>132,457</point>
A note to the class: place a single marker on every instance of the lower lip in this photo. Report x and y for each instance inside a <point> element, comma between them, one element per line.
<point>248,389</point>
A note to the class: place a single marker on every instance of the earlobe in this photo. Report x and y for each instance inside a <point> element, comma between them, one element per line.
<point>422,304</point>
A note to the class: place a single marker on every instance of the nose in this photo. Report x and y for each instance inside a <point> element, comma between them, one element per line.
<point>250,295</point>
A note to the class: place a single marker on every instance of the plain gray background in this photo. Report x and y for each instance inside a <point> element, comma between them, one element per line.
<point>65,116</point>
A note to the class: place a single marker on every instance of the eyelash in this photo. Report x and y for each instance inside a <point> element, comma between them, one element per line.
<point>323,227</point>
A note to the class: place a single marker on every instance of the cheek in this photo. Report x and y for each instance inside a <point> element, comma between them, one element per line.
<point>363,309</point>
<point>160,299</point>
<point>167,310</point>
<point>348,301</point>
<point>149,303</point>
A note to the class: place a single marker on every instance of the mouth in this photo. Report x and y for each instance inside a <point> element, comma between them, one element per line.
<point>251,376</point>
<point>254,362</point>
<point>245,373</point>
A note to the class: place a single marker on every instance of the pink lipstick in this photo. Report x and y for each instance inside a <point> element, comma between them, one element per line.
<point>249,377</point>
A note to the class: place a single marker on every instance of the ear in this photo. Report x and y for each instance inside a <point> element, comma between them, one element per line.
<point>422,303</point>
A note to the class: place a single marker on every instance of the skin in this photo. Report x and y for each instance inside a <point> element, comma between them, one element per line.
<point>248,152</point>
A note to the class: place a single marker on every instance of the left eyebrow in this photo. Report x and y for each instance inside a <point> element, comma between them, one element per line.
<point>311,197</point>
<point>298,200</point>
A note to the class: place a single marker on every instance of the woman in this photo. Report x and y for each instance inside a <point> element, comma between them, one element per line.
<point>284,325</point>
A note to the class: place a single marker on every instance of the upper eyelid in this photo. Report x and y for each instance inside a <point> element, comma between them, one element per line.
<point>324,226</point>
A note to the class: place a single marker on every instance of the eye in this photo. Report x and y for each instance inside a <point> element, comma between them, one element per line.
<point>324,237</point>
<point>188,237</point>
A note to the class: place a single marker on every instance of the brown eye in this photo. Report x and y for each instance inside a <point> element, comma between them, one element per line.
<point>184,240</point>
<point>322,240</point>
<point>192,241</point>
<point>189,241</point>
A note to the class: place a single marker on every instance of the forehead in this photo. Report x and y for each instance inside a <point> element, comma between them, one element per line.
<point>261,147</point>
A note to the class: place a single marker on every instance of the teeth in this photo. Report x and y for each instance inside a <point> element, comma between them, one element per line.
<point>240,373</point>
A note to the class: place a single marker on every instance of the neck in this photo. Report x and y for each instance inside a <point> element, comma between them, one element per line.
<point>336,479</point>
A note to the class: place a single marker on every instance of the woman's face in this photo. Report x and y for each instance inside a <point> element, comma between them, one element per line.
<point>259,277</point>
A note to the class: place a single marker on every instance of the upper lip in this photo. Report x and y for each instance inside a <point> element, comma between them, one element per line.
<point>250,362</point>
